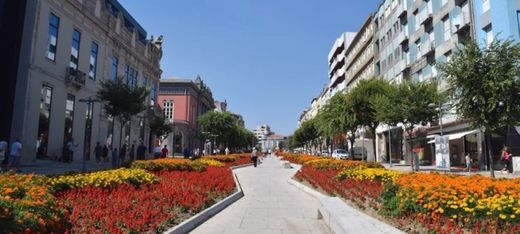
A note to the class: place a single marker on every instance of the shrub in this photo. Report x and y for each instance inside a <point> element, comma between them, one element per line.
<point>170,165</point>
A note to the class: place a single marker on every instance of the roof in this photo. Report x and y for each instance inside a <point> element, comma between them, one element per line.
<point>127,16</point>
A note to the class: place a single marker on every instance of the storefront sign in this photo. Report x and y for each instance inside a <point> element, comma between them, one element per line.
<point>442,153</point>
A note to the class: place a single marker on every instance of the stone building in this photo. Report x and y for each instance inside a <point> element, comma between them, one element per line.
<point>68,48</point>
<point>183,102</point>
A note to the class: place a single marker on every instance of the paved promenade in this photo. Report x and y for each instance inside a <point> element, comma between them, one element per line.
<point>270,205</point>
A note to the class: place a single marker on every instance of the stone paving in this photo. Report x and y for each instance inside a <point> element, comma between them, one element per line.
<point>270,205</point>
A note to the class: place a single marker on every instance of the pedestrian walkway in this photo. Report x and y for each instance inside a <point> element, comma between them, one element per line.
<point>270,205</point>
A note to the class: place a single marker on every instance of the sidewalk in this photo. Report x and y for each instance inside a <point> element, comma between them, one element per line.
<point>269,205</point>
<point>454,170</point>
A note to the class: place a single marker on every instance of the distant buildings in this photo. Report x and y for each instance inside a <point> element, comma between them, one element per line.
<point>267,139</point>
<point>183,101</point>
<point>222,107</point>
<point>404,40</point>
<point>59,53</point>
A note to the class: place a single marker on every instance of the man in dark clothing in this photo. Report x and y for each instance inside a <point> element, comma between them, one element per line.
<point>104,154</point>
<point>141,151</point>
<point>98,151</point>
<point>186,152</point>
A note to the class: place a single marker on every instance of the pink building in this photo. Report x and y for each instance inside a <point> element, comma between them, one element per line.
<point>183,101</point>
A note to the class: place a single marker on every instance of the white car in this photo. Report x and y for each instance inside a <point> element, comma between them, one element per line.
<point>340,154</point>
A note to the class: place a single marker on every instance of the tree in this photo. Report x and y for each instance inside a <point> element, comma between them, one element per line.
<point>410,103</point>
<point>485,86</point>
<point>306,133</point>
<point>361,98</point>
<point>160,127</point>
<point>223,127</point>
<point>338,117</point>
<point>122,101</point>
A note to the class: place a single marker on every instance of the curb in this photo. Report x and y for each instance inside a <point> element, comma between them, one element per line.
<point>338,216</point>
<point>193,222</point>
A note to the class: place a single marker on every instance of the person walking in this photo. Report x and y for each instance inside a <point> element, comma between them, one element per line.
<point>3,153</point>
<point>104,153</point>
<point>506,159</point>
<point>186,152</point>
<point>131,154</point>
<point>468,163</point>
<point>157,152</point>
<point>254,156</point>
<point>122,154</point>
<point>164,151</point>
<point>226,151</point>
<point>98,150</point>
<point>141,151</point>
<point>71,147</point>
<point>14,156</point>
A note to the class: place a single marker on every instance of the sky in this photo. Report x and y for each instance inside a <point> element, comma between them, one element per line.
<point>266,58</point>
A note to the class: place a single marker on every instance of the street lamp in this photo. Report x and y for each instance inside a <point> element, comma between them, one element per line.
<point>88,128</point>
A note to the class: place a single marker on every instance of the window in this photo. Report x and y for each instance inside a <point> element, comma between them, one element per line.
<point>93,60</point>
<point>54,25</point>
<point>416,17</point>
<point>69,117</point>
<point>74,50</point>
<point>153,94</point>
<point>130,76</point>
<point>447,28</point>
<point>168,110</point>
<point>44,120</point>
<point>489,34</point>
<point>115,64</point>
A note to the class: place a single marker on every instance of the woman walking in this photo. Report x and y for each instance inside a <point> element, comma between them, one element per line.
<point>506,159</point>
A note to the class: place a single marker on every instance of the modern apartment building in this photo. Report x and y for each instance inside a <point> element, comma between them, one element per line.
<point>183,101</point>
<point>360,55</point>
<point>68,48</point>
<point>337,62</point>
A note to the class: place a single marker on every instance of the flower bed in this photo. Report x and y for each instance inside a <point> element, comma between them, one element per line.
<point>421,202</point>
<point>103,179</point>
<point>26,204</point>
<point>127,209</point>
<point>169,164</point>
<point>231,160</point>
<point>149,197</point>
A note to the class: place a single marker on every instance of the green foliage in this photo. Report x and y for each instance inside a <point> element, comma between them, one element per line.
<point>160,127</point>
<point>361,98</point>
<point>306,133</point>
<point>484,83</point>
<point>226,131</point>
<point>121,101</point>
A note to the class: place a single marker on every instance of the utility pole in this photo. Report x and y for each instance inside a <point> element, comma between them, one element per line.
<point>88,128</point>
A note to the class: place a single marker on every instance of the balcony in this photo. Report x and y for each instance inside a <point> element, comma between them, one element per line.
<point>425,16</point>
<point>427,47</point>
<point>402,38</point>
<point>461,22</point>
<point>402,10</point>
<point>75,77</point>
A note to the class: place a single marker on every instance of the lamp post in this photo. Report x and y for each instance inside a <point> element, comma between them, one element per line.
<point>88,128</point>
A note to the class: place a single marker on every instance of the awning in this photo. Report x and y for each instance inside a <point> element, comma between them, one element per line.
<point>455,136</point>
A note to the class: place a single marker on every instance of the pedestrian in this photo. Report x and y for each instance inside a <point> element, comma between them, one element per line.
<point>254,156</point>
<point>141,151</point>
<point>468,163</point>
<point>186,152</point>
<point>122,154</point>
<point>131,154</point>
<point>71,147</point>
<point>506,159</point>
<point>226,150</point>
<point>14,160</point>
<point>164,151</point>
<point>98,150</point>
<point>3,153</point>
<point>157,152</point>
<point>104,153</point>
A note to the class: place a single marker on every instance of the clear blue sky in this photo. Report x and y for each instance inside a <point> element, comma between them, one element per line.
<point>267,58</point>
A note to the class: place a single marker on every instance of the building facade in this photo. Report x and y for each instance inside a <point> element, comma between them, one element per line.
<point>183,101</point>
<point>69,48</point>
<point>337,62</point>
<point>360,55</point>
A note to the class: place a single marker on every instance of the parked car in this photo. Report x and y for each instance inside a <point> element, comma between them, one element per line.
<point>325,153</point>
<point>340,154</point>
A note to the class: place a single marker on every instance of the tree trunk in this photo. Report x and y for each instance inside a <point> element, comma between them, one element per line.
<point>373,131</point>
<point>352,142</point>
<point>489,153</point>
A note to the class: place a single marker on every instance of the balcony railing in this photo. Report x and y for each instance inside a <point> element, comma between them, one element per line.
<point>75,77</point>
<point>461,21</point>
<point>425,15</point>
